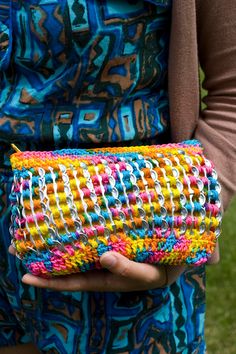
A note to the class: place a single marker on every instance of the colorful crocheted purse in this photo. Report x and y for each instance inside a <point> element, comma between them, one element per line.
<point>154,204</point>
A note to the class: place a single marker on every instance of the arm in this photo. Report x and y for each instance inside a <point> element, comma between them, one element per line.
<point>217,124</point>
<point>217,54</point>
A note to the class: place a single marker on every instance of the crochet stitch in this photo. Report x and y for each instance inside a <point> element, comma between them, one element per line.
<point>155,204</point>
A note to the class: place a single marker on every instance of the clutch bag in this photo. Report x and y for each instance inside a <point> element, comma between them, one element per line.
<point>156,204</point>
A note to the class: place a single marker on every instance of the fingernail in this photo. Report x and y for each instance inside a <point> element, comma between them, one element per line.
<point>25,279</point>
<point>108,261</point>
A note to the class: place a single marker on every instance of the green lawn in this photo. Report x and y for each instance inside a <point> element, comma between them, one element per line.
<point>221,292</point>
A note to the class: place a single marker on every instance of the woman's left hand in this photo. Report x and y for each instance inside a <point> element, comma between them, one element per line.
<point>119,274</point>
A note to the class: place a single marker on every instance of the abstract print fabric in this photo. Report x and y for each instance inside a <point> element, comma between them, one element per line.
<point>83,71</point>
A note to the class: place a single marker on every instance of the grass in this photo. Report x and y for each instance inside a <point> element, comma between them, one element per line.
<point>221,292</point>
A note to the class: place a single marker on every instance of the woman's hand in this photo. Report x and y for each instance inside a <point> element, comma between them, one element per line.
<point>119,274</point>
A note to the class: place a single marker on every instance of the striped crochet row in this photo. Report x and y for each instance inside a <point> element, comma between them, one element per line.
<point>153,204</point>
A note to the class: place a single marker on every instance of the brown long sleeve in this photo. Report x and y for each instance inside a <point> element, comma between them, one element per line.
<point>205,31</point>
<point>216,128</point>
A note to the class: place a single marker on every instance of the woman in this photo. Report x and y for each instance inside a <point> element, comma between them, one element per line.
<point>94,72</point>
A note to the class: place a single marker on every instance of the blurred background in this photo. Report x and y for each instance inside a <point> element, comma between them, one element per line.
<point>221,291</point>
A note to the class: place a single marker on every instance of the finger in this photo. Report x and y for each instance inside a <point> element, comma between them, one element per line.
<point>100,281</point>
<point>58,283</point>
<point>12,250</point>
<point>150,275</point>
<point>92,281</point>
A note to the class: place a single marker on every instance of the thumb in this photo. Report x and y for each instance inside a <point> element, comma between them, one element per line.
<point>12,250</point>
<point>122,266</point>
<point>115,262</point>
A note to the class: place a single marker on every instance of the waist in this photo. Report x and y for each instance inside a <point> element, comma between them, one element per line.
<point>90,124</point>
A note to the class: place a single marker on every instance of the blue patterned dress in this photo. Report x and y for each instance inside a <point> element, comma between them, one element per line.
<point>78,73</point>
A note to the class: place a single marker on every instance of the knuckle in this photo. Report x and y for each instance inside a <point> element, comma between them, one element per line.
<point>51,284</point>
<point>107,281</point>
<point>60,285</point>
<point>151,279</point>
<point>124,270</point>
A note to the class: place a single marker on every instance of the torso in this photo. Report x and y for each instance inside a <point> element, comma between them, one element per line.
<point>86,71</point>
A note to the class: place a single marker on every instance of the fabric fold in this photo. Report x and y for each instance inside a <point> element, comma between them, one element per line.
<point>5,33</point>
